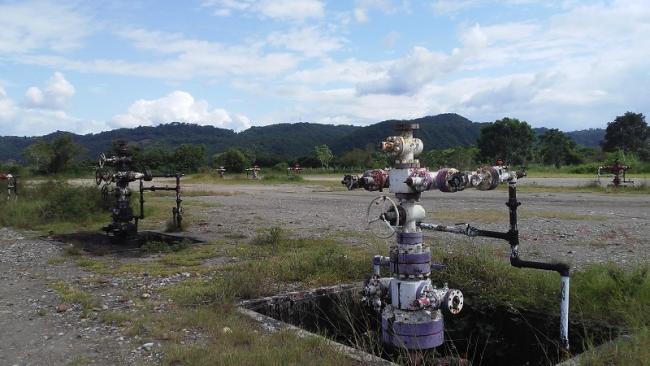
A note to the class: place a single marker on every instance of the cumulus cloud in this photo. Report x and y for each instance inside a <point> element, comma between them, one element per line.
<point>408,74</point>
<point>294,10</point>
<point>178,106</point>
<point>55,95</point>
<point>17,120</point>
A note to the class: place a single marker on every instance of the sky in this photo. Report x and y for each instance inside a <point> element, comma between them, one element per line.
<point>90,66</point>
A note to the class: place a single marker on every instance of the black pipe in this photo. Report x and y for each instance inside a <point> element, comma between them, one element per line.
<point>561,268</point>
<point>141,200</point>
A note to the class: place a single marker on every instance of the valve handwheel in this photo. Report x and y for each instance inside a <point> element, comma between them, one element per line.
<point>378,220</point>
<point>102,160</point>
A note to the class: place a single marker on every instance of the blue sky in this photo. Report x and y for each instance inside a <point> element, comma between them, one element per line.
<point>92,66</point>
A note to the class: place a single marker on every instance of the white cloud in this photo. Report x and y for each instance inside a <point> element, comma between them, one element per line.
<point>176,57</point>
<point>56,94</point>
<point>410,73</point>
<point>178,106</point>
<point>346,71</point>
<point>309,40</point>
<point>16,120</point>
<point>293,10</point>
<point>363,8</point>
<point>32,25</point>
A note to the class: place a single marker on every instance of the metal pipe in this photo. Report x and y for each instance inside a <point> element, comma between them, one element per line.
<point>141,200</point>
<point>564,312</point>
<point>512,236</point>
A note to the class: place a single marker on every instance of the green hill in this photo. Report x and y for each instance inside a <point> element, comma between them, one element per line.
<point>284,140</point>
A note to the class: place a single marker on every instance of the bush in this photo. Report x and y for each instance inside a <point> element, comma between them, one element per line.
<point>51,202</point>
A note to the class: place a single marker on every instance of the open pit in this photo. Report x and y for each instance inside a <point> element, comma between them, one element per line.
<point>484,334</point>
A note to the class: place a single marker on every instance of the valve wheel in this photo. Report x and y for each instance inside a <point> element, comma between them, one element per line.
<point>102,160</point>
<point>377,218</point>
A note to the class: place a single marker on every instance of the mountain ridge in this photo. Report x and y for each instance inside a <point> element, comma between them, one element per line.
<point>284,140</point>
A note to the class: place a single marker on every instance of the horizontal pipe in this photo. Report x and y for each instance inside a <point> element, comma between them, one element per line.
<point>562,268</point>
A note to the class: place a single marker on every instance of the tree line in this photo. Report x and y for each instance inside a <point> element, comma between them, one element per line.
<point>509,139</point>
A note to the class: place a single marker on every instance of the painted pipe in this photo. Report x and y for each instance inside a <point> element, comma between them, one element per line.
<point>512,236</point>
<point>564,313</point>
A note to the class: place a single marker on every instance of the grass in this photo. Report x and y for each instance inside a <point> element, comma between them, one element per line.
<point>246,347</point>
<point>628,351</point>
<point>594,187</point>
<point>269,263</point>
<point>72,295</point>
<point>276,261</point>
<point>265,178</point>
<point>117,318</point>
<point>53,206</point>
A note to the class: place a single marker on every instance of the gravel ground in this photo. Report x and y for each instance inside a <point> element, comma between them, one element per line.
<point>579,228</point>
<point>38,330</point>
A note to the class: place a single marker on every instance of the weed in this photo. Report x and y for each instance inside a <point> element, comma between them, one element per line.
<point>69,294</point>
<point>56,261</point>
<point>278,178</point>
<point>634,350</point>
<point>72,251</point>
<point>245,345</point>
<point>116,317</point>
<point>271,237</point>
<point>46,205</point>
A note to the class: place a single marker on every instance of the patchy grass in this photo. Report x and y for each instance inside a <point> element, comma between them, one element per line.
<point>595,187</point>
<point>94,265</point>
<point>245,346</point>
<point>56,261</point>
<point>117,318</point>
<point>187,258</point>
<point>600,292</point>
<point>72,295</point>
<point>633,350</point>
<point>53,206</point>
<point>275,261</point>
<point>270,177</point>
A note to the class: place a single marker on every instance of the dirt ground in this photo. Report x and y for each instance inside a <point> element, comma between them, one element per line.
<point>36,330</point>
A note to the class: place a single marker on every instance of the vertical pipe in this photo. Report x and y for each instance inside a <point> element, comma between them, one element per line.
<point>141,200</point>
<point>564,313</point>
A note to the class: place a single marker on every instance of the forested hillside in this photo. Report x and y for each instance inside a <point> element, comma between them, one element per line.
<point>282,140</point>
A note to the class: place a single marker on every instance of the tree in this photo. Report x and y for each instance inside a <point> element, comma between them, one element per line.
<point>189,157</point>
<point>557,148</point>
<point>508,139</point>
<point>54,157</point>
<point>39,155</point>
<point>156,156</point>
<point>234,160</point>
<point>324,155</point>
<point>627,132</point>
